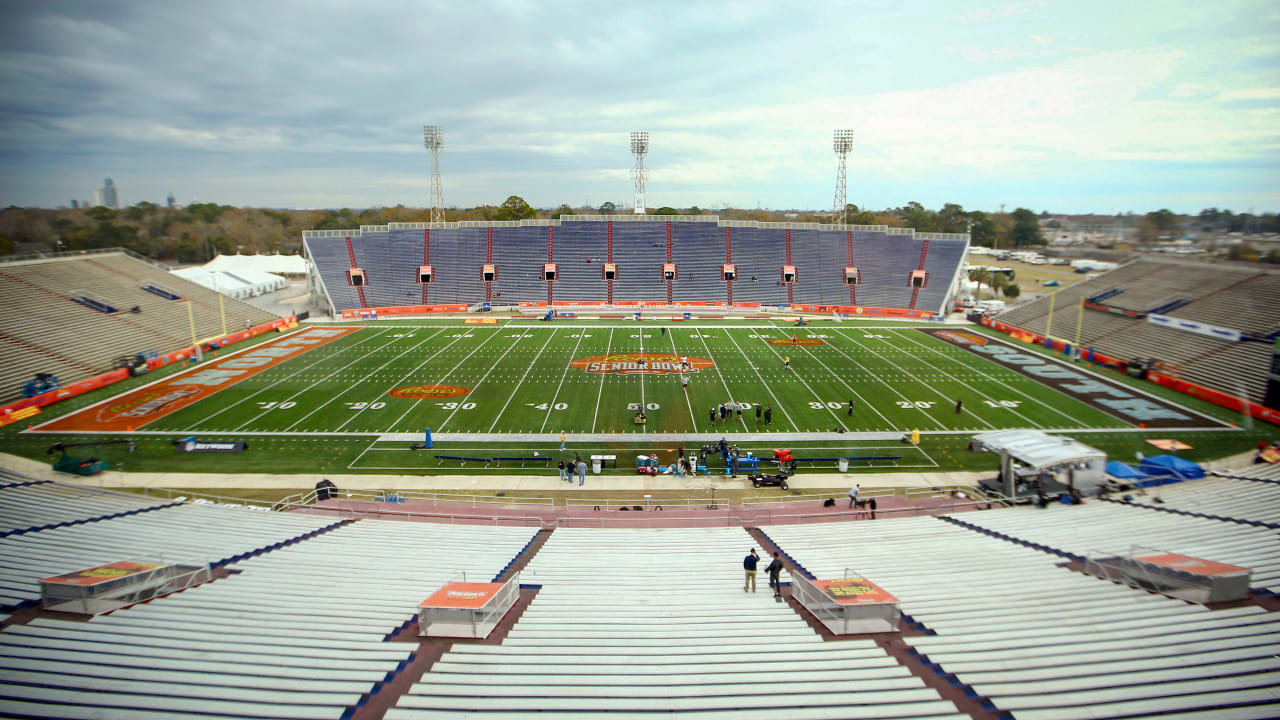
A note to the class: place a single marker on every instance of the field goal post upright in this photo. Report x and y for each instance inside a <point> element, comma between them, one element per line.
<point>433,140</point>
<point>639,173</point>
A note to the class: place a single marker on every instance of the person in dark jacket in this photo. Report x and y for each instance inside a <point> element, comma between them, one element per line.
<point>749,564</point>
<point>563,476</point>
<point>768,415</point>
<point>775,575</point>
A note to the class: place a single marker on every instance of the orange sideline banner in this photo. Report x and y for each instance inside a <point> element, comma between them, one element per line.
<point>81,387</point>
<point>158,399</point>
<point>1216,397</point>
<point>862,310</point>
<point>402,310</point>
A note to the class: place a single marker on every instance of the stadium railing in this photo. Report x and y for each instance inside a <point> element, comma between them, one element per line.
<point>310,497</point>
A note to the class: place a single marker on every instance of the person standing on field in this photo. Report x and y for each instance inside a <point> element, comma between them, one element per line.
<point>768,415</point>
<point>850,407</point>
<point>959,406</point>
<point>757,413</point>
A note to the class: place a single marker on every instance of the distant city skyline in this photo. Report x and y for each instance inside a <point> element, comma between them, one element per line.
<point>1069,107</point>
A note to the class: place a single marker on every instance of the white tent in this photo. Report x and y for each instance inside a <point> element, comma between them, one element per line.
<point>1084,467</point>
<point>276,264</point>
<point>237,285</point>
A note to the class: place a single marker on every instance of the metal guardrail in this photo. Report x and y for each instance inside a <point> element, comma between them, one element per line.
<point>310,497</point>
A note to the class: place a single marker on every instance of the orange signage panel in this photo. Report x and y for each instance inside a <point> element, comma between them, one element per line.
<point>102,573</point>
<point>855,591</point>
<point>1190,564</point>
<point>156,400</point>
<point>462,595</point>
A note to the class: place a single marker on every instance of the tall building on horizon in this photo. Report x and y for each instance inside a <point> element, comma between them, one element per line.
<point>75,204</point>
<point>171,201</point>
<point>109,197</point>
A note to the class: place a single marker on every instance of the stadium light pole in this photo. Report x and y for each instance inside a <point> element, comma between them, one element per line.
<point>433,140</point>
<point>842,143</point>
<point>639,148</point>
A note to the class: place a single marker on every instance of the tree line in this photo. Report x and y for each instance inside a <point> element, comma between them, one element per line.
<point>197,232</point>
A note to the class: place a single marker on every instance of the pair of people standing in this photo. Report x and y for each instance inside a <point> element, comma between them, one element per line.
<point>774,569</point>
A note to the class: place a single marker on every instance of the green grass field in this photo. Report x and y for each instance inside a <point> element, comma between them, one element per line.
<point>336,406</point>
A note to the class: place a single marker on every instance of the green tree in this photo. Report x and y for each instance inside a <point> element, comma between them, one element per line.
<point>1012,291</point>
<point>7,246</point>
<point>914,215</point>
<point>980,277</point>
<point>1026,228</point>
<point>855,216</point>
<point>514,208</point>
<point>982,229</point>
<point>664,210</point>
<point>100,213</point>
<point>952,219</point>
<point>563,209</point>
<point>1164,222</point>
<point>608,208</point>
<point>693,210</point>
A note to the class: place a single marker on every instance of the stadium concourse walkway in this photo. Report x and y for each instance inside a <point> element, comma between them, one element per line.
<point>549,481</point>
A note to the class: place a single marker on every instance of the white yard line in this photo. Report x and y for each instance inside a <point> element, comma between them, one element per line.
<point>325,358</point>
<point>692,418</point>
<point>357,359</point>
<point>727,391</point>
<point>799,377</point>
<point>966,355</point>
<point>551,407</point>
<point>441,380</point>
<point>887,421</point>
<point>939,393</point>
<point>484,377</point>
<point>877,378</point>
<point>368,374</point>
<point>522,377</point>
<point>600,393</point>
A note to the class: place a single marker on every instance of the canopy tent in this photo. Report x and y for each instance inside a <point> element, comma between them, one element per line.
<point>236,285</point>
<point>1171,465</point>
<point>1083,465</point>
<point>277,264</point>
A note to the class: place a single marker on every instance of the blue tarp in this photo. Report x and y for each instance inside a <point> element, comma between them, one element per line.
<point>1171,465</point>
<point>1117,469</point>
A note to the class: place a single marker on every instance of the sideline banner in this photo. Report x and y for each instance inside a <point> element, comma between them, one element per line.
<point>163,397</point>
<point>1111,397</point>
<point>402,310</point>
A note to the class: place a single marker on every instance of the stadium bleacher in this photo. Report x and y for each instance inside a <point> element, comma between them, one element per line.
<point>1235,298</point>
<point>45,330</point>
<point>390,256</point>
<point>1062,644</point>
<point>646,621</point>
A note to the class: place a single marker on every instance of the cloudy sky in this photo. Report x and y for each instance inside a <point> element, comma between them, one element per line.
<point>1067,106</point>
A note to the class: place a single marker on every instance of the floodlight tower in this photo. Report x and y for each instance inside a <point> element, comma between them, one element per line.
<point>842,143</point>
<point>433,140</point>
<point>639,148</point>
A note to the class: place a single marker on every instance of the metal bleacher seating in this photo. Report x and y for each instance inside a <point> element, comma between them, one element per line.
<point>520,253</point>
<point>885,262</point>
<point>40,505</point>
<point>1235,298</point>
<point>1109,527</point>
<point>758,254</point>
<point>1013,628</point>
<point>640,250</point>
<point>697,249</point>
<point>579,280</point>
<point>638,622</point>
<point>1224,498</point>
<point>389,255</point>
<point>44,330</point>
<point>191,532</point>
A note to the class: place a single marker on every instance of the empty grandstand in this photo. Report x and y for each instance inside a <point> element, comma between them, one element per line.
<point>378,266</point>
<point>311,615</point>
<point>1209,324</point>
<point>73,316</point>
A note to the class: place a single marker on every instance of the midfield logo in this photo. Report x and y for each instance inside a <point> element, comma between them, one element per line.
<point>642,363</point>
<point>428,392</point>
<point>799,342</point>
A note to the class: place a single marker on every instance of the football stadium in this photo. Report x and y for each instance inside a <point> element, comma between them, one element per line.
<point>659,463</point>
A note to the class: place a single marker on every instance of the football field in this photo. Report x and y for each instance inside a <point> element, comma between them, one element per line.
<point>521,378</point>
